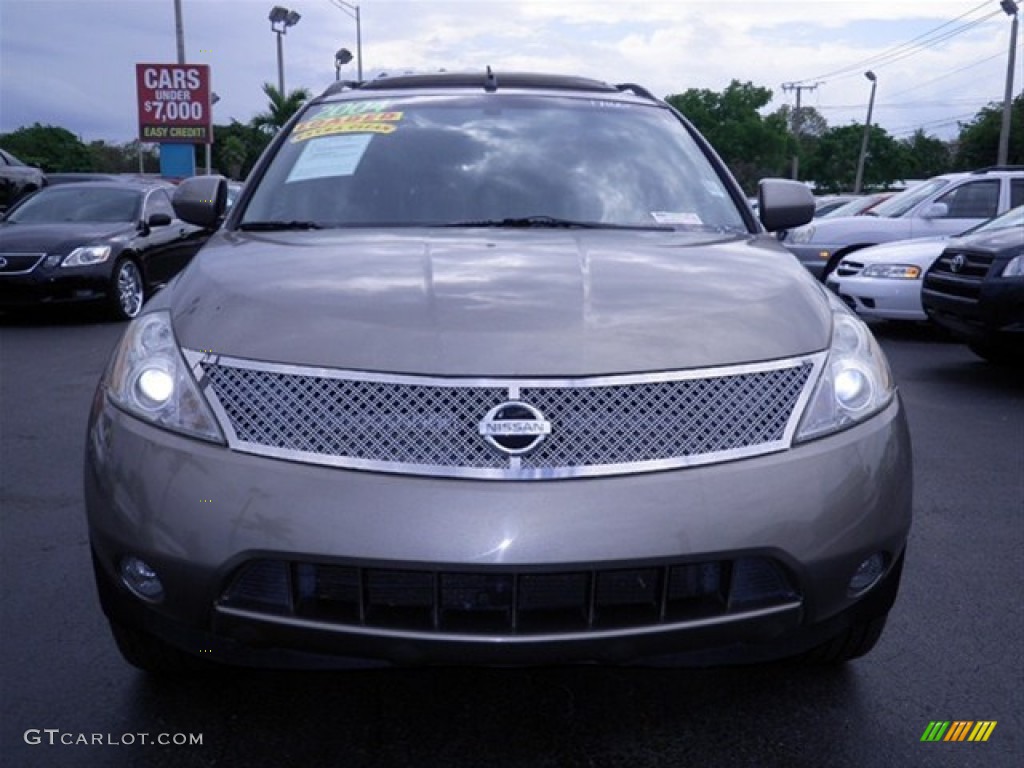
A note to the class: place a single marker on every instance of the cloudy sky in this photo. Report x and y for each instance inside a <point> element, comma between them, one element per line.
<point>71,62</point>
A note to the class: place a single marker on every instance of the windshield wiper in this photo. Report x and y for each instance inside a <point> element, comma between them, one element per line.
<point>276,226</point>
<point>551,222</point>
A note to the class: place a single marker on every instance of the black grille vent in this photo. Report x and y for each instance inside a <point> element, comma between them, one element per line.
<point>958,273</point>
<point>508,602</point>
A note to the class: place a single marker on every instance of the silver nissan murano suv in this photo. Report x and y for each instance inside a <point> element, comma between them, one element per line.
<point>497,369</point>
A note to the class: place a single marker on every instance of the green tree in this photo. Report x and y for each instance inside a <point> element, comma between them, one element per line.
<point>811,123</point>
<point>122,158</point>
<point>926,156</point>
<point>236,148</point>
<point>806,131</point>
<point>978,143</point>
<point>833,165</point>
<point>753,146</point>
<point>48,146</point>
<point>280,108</point>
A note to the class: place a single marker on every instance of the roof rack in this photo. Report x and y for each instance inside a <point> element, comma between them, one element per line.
<point>638,90</point>
<point>487,80</point>
<point>999,168</point>
<point>340,85</point>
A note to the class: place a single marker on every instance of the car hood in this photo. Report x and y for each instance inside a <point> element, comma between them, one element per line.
<point>500,303</point>
<point>58,237</point>
<point>995,240</point>
<point>921,251</point>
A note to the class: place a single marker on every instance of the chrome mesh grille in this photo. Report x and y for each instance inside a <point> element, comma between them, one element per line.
<point>393,422</point>
<point>664,420</point>
<point>429,426</point>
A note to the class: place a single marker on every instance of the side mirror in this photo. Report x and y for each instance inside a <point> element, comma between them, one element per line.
<point>935,211</point>
<point>784,204</point>
<point>201,200</point>
<point>158,220</point>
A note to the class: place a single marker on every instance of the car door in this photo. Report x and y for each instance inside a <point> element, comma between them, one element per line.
<point>168,248</point>
<point>966,204</point>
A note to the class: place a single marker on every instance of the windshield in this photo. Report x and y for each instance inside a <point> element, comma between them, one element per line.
<point>72,203</point>
<point>852,208</point>
<point>1012,218</point>
<point>905,201</point>
<point>491,160</point>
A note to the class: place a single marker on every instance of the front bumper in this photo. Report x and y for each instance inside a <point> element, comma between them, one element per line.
<point>880,298</point>
<point>197,512</point>
<point>55,286</point>
<point>996,315</point>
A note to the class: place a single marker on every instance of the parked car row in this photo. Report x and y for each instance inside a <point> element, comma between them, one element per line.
<point>942,206</point>
<point>971,284</point>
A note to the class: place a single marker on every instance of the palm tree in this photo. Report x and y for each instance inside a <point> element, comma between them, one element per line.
<point>282,107</point>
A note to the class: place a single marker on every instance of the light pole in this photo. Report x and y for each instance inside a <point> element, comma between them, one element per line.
<point>280,20</point>
<point>1010,7</point>
<point>867,128</point>
<point>214,98</point>
<point>341,58</point>
<point>353,11</point>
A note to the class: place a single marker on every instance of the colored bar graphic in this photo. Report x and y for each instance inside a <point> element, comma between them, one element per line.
<point>982,730</point>
<point>958,730</point>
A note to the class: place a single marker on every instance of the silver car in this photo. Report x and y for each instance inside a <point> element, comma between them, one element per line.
<point>495,369</point>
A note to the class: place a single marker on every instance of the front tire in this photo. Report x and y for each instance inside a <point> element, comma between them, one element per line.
<point>127,290</point>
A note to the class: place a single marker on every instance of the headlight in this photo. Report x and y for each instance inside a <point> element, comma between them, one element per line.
<point>801,234</point>
<point>855,383</point>
<point>1015,268</point>
<point>892,271</point>
<point>86,256</point>
<point>149,379</point>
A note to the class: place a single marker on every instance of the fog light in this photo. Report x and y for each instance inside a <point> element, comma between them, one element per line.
<point>141,579</point>
<point>868,572</point>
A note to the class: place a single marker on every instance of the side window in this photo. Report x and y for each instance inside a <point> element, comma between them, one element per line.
<point>158,202</point>
<point>973,200</point>
<point>1016,192</point>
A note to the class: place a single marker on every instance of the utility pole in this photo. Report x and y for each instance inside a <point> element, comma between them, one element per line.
<point>867,130</point>
<point>797,118</point>
<point>1010,8</point>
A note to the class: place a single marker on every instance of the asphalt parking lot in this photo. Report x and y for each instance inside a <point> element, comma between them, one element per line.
<point>953,651</point>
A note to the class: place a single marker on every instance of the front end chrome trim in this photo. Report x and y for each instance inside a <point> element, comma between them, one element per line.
<point>427,429</point>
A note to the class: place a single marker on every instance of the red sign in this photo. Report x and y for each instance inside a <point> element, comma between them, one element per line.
<point>174,103</point>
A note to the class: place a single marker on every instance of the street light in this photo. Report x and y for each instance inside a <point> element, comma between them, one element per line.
<point>353,11</point>
<point>341,58</point>
<point>214,98</point>
<point>867,128</point>
<point>1010,7</point>
<point>280,20</point>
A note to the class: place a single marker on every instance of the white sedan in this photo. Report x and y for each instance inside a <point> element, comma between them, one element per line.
<point>884,281</point>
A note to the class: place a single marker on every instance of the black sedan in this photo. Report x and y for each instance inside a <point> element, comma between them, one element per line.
<point>17,179</point>
<point>96,241</point>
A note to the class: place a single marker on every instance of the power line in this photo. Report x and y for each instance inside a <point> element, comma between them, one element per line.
<point>908,48</point>
<point>939,123</point>
<point>908,104</point>
<point>948,74</point>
